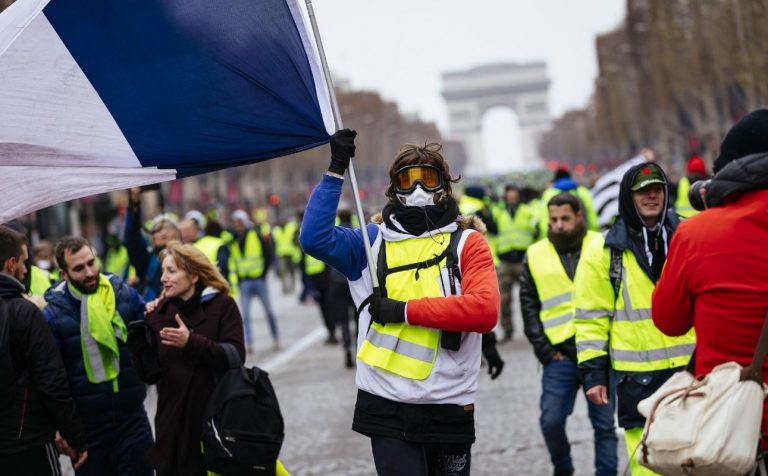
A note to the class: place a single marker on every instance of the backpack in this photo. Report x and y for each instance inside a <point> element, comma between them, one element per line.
<point>243,428</point>
<point>7,373</point>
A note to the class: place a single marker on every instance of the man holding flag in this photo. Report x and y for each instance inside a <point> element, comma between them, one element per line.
<point>420,333</point>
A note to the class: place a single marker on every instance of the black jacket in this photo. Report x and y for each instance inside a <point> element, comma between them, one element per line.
<point>530,305</point>
<point>42,402</point>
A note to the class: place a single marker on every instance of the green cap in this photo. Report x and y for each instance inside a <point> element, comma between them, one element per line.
<point>647,176</point>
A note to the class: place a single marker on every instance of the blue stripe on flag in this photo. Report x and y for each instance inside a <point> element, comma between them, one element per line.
<point>196,85</point>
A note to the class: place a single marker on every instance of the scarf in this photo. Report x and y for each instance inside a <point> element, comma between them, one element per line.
<point>419,220</point>
<point>100,328</point>
<point>188,307</point>
<point>568,241</point>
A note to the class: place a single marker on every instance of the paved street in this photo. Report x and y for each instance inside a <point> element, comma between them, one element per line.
<point>317,396</point>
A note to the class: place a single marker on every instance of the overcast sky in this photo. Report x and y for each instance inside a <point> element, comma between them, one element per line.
<point>401,47</point>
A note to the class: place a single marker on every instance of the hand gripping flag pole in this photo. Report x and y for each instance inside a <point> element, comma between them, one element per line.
<point>351,169</point>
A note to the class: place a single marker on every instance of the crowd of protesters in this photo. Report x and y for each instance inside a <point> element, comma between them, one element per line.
<point>611,314</point>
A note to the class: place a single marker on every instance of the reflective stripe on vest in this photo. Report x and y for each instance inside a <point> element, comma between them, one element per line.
<point>209,245</point>
<point>555,288</point>
<point>402,349</point>
<point>250,264</point>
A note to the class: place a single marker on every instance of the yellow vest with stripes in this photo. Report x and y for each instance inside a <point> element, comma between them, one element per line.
<point>555,288</point>
<point>514,233</point>
<point>40,281</point>
<point>285,239</point>
<point>402,349</point>
<point>248,263</point>
<point>628,334</point>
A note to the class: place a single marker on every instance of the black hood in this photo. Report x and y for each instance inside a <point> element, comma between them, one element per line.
<point>743,175</point>
<point>10,287</point>
<point>627,210</point>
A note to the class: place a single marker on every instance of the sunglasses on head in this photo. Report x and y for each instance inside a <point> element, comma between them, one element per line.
<point>406,178</point>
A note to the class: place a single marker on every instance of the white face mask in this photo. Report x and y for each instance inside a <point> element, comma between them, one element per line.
<point>419,198</point>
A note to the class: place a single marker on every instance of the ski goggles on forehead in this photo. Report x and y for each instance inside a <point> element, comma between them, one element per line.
<point>406,178</point>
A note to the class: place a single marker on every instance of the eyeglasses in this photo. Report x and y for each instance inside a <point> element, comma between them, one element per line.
<point>406,178</point>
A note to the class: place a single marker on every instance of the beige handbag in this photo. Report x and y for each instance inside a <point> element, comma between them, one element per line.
<point>707,426</point>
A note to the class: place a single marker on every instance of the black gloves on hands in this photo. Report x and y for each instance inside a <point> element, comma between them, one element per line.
<point>491,355</point>
<point>384,310</point>
<point>342,148</point>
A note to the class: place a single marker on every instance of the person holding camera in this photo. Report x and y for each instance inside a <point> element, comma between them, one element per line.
<point>421,332</point>
<point>716,276</point>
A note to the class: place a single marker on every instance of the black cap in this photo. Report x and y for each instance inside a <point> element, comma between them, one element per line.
<point>748,136</point>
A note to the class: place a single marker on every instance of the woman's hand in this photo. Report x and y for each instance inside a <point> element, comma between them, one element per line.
<point>175,336</point>
<point>151,306</point>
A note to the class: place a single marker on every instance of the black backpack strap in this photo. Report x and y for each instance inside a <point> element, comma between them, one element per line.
<point>362,305</point>
<point>233,356</point>
<point>452,340</point>
<point>381,270</point>
<point>615,271</point>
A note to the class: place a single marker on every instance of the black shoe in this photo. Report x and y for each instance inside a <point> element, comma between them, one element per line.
<point>331,340</point>
<point>348,362</point>
<point>507,337</point>
<point>564,472</point>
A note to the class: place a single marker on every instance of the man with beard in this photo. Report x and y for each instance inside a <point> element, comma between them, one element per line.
<point>88,313</point>
<point>420,333</point>
<point>546,300</point>
<point>35,399</point>
<point>613,287</point>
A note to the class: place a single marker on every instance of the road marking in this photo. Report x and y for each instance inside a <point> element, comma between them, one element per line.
<point>288,354</point>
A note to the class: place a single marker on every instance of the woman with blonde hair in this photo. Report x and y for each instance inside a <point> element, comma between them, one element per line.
<point>192,318</point>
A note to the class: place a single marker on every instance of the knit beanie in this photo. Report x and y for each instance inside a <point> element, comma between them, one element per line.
<point>696,166</point>
<point>748,136</point>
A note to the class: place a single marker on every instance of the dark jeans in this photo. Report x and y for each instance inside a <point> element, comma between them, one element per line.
<point>120,452</point>
<point>560,384</point>
<point>40,461</point>
<point>395,457</point>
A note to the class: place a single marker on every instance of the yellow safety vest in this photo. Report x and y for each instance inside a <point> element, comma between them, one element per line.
<point>117,262</point>
<point>248,264</point>
<point>682,203</point>
<point>555,288</point>
<point>635,344</point>
<point>285,237</point>
<point>210,245</point>
<point>312,265</point>
<point>402,349</point>
<point>39,281</point>
<point>514,233</point>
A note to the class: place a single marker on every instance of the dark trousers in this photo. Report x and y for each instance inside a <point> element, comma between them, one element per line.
<point>120,451</point>
<point>395,457</point>
<point>40,461</point>
<point>560,384</point>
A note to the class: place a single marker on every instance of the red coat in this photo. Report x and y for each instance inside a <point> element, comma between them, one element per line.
<point>716,280</point>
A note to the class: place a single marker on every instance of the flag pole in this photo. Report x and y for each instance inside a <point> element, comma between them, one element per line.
<point>339,125</point>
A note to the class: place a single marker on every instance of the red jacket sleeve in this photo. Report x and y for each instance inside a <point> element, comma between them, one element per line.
<point>477,309</point>
<point>672,304</point>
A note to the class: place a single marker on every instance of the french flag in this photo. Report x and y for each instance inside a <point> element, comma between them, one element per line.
<point>100,95</point>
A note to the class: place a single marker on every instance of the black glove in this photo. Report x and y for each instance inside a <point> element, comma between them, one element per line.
<point>384,310</point>
<point>342,148</point>
<point>491,354</point>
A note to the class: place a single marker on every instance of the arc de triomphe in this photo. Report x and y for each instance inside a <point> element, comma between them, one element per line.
<point>471,93</point>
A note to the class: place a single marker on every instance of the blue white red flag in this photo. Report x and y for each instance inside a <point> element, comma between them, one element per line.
<point>100,95</point>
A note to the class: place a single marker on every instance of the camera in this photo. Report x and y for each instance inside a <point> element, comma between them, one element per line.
<point>694,194</point>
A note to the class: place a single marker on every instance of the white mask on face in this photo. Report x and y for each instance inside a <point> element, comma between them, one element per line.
<point>419,198</point>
